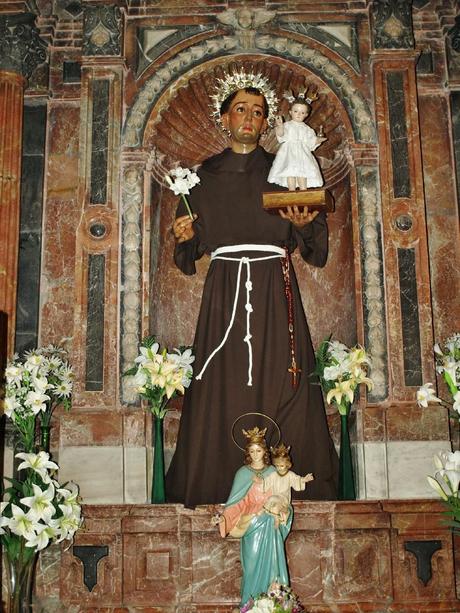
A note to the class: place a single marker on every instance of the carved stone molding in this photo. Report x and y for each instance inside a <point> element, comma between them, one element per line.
<point>357,108</point>
<point>392,24</point>
<point>101,30</point>
<point>21,48</point>
<point>337,79</point>
<point>372,273</point>
<point>132,202</point>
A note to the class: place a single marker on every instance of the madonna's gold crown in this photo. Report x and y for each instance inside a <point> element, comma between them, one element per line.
<point>255,435</point>
<point>240,79</point>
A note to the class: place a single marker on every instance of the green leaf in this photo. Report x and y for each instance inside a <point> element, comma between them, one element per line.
<point>131,371</point>
<point>148,341</point>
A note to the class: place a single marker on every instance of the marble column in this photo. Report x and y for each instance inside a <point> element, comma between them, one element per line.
<point>21,51</point>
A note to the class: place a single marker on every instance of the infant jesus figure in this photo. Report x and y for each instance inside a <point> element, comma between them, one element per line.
<point>278,484</point>
<point>271,495</point>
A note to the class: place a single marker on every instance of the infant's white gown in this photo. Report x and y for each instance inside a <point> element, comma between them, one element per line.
<point>294,157</point>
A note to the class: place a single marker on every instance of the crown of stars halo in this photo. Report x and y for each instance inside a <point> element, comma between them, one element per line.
<point>240,80</point>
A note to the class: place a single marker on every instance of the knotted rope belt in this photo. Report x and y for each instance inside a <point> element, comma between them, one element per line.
<point>275,252</point>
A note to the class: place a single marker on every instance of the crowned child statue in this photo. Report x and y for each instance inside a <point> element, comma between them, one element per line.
<point>295,165</point>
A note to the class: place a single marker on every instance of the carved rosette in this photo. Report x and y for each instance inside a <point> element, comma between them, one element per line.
<point>21,48</point>
<point>392,24</point>
<point>132,201</point>
<point>101,30</point>
<point>373,289</point>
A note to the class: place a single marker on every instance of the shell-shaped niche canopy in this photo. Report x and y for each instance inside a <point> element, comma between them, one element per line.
<point>181,130</point>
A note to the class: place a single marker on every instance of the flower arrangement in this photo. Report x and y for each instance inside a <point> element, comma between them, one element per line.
<point>448,365</point>
<point>35,385</point>
<point>38,511</point>
<point>445,483</point>
<point>180,181</point>
<point>159,375</point>
<point>341,370</point>
<point>446,479</point>
<point>279,599</point>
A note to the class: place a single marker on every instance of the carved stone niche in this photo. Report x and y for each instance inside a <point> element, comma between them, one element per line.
<point>180,130</point>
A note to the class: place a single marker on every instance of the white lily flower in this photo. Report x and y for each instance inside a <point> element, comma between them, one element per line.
<point>437,487</point>
<point>40,383</point>
<point>43,535</point>
<point>452,478</point>
<point>179,172</point>
<point>34,361</point>
<point>425,394</point>
<point>68,524</point>
<point>21,524</point>
<point>10,405</point>
<point>36,401</point>
<point>41,503</point>
<point>38,462</point>
<point>331,373</point>
<point>13,374</point>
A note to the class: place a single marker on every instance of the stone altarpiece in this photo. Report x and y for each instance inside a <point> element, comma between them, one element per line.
<point>123,95</point>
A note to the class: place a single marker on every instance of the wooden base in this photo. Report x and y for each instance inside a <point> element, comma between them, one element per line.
<point>314,199</point>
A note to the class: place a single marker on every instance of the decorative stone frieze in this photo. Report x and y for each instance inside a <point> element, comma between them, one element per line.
<point>102,30</point>
<point>360,116</point>
<point>21,48</point>
<point>392,24</point>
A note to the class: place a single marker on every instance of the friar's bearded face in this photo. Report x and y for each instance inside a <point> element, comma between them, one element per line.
<point>245,121</point>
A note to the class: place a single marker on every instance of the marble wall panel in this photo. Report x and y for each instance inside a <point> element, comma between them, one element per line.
<point>87,429</point>
<point>97,470</point>
<point>408,464</point>
<point>407,583</point>
<point>412,423</point>
<point>109,586</point>
<point>61,217</point>
<point>151,558</point>
<point>362,566</point>
<point>136,476</point>
<point>442,214</point>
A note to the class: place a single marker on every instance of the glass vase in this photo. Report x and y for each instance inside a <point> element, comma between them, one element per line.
<point>19,574</point>
<point>45,437</point>
<point>158,477</point>
<point>346,478</point>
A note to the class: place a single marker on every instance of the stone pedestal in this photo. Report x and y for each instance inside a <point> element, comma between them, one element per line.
<point>350,556</point>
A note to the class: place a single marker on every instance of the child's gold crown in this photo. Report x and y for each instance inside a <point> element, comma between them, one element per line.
<point>281,451</point>
<point>304,94</point>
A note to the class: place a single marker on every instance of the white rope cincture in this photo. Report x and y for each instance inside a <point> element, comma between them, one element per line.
<point>217,254</point>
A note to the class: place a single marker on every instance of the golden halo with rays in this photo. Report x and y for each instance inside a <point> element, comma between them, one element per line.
<point>260,415</point>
